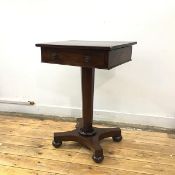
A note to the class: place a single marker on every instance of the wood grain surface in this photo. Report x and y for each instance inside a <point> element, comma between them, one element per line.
<point>24,151</point>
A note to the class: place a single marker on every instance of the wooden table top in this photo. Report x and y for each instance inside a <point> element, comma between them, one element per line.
<point>101,45</point>
<point>92,54</point>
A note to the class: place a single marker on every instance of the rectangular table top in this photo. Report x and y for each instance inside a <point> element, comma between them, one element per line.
<point>92,54</point>
<point>101,45</point>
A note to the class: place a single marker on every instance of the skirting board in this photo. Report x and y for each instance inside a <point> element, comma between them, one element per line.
<point>99,115</point>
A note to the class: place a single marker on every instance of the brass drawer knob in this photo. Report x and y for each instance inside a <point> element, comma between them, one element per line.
<point>87,59</point>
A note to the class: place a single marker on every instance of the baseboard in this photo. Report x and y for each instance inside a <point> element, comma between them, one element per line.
<point>99,115</point>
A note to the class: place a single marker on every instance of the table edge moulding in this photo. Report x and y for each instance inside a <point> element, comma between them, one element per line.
<point>88,55</point>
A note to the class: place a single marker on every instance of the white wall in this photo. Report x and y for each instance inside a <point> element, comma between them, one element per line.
<point>141,91</point>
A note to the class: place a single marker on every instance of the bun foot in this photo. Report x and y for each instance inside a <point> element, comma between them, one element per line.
<point>117,138</point>
<point>98,159</point>
<point>57,143</point>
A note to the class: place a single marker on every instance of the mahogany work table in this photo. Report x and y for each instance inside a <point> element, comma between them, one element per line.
<point>88,55</point>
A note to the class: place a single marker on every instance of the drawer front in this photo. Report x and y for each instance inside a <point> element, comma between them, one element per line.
<point>83,58</point>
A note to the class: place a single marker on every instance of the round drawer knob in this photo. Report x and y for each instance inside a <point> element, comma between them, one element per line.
<point>87,59</point>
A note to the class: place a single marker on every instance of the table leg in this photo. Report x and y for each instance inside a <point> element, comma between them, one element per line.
<point>85,133</point>
<point>87,83</point>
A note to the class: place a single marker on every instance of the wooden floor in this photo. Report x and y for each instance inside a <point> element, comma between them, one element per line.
<point>25,149</point>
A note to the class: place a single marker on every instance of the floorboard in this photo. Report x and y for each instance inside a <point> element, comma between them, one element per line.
<point>25,148</point>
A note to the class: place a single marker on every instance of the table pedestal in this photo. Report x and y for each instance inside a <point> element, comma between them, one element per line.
<point>85,133</point>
